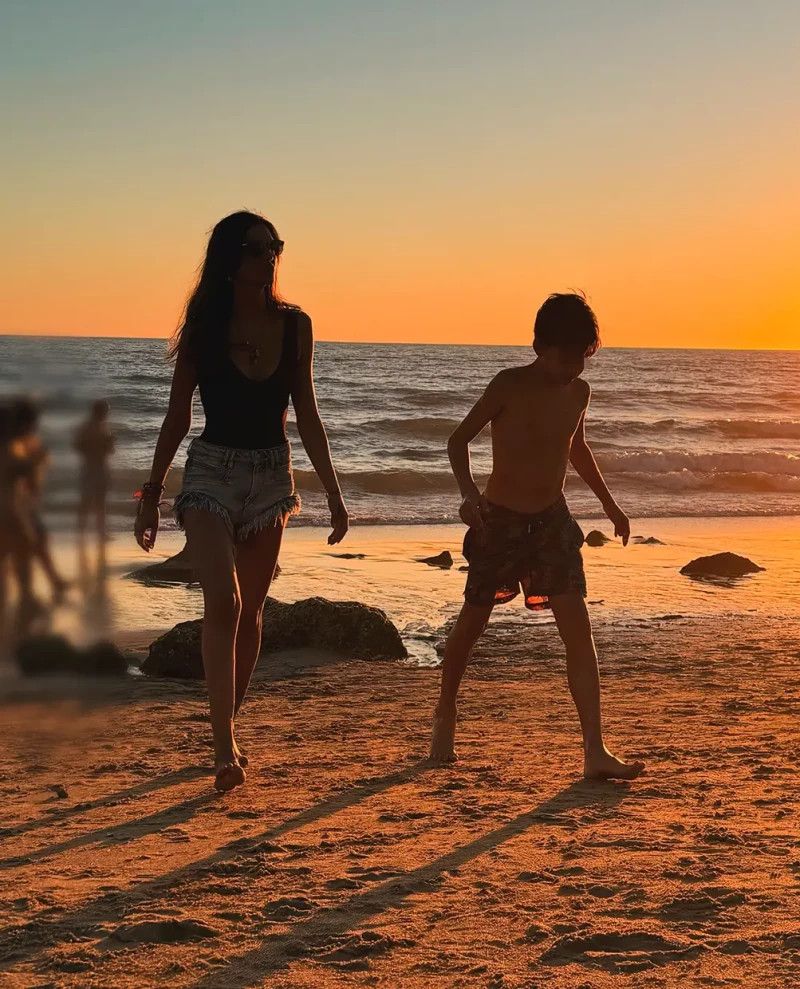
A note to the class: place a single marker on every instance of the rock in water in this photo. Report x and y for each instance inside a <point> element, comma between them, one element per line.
<point>597,538</point>
<point>103,659</point>
<point>177,653</point>
<point>721,565</point>
<point>443,560</point>
<point>649,541</point>
<point>176,570</point>
<point>53,654</point>
<point>41,654</point>
<point>339,626</point>
<point>347,627</point>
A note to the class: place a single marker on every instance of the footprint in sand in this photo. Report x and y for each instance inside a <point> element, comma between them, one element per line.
<point>537,877</point>
<point>720,836</point>
<point>570,870</point>
<point>163,932</point>
<point>343,883</point>
<point>225,889</point>
<point>289,908</point>
<point>81,961</point>
<point>267,848</point>
<point>368,944</point>
<point>621,952</point>
<point>535,934</point>
<point>696,905</point>
<point>374,875</point>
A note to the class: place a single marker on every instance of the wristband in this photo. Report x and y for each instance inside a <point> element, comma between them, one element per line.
<point>150,492</point>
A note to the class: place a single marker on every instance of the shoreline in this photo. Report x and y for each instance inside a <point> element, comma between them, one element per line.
<point>635,582</point>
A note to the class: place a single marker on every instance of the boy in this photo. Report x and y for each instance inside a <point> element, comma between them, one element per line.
<point>521,531</point>
<point>94,442</point>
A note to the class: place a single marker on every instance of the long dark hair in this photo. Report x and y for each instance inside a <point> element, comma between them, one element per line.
<point>202,333</point>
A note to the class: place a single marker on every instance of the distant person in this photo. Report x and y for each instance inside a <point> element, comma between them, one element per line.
<point>94,443</point>
<point>33,453</point>
<point>521,532</point>
<point>249,352</point>
<point>17,537</point>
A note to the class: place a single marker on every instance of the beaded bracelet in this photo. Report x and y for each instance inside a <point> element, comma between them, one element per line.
<point>150,492</point>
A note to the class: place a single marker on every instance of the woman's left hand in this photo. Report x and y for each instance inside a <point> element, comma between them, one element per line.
<point>340,520</point>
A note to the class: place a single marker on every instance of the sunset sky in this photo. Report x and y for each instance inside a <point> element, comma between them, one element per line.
<point>436,167</point>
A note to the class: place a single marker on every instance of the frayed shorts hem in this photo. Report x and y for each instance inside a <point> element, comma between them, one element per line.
<point>290,505</point>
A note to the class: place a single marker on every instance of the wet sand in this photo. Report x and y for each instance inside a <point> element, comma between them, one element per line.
<point>348,861</point>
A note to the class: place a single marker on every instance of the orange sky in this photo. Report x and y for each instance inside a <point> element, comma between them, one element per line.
<point>432,185</point>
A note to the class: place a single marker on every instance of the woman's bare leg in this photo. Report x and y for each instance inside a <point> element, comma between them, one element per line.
<point>211,549</point>
<point>29,607</point>
<point>256,559</point>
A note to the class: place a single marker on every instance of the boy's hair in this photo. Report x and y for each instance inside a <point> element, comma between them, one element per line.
<point>566,321</point>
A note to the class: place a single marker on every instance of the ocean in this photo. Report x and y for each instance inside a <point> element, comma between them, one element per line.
<point>677,433</point>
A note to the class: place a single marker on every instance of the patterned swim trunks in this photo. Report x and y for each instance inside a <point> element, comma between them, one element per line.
<point>540,553</point>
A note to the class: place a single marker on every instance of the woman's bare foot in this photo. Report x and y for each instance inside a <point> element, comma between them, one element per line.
<point>602,765</point>
<point>241,758</point>
<point>443,738</point>
<point>228,776</point>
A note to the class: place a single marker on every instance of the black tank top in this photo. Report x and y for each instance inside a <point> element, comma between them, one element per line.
<point>244,414</point>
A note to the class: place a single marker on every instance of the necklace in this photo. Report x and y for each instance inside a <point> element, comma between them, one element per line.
<point>253,353</point>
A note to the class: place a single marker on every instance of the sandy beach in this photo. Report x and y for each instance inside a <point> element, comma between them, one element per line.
<point>393,275</point>
<point>348,860</point>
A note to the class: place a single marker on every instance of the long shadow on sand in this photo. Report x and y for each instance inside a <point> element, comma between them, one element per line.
<point>24,940</point>
<point>276,952</point>
<point>185,775</point>
<point>117,834</point>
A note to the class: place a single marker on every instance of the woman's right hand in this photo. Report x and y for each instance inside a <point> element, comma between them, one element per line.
<point>145,527</point>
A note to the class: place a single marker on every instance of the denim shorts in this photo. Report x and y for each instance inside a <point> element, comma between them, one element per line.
<point>249,489</point>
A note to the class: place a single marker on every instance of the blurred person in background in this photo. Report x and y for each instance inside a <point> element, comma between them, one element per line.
<point>17,535</point>
<point>94,443</point>
<point>31,451</point>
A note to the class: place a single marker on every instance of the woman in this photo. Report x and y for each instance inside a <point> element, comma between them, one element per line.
<point>249,352</point>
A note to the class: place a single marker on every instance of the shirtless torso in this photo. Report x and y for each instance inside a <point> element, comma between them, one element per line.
<point>533,424</point>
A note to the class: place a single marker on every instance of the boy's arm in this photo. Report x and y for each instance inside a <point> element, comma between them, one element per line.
<point>582,459</point>
<point>487,408</point>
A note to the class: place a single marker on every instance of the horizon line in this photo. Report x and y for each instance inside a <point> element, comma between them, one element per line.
<point>407,343</point>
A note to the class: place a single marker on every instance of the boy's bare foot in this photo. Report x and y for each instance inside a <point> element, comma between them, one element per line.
<point>604,766</point>
<point>443,739</point>
<point>228,776</point>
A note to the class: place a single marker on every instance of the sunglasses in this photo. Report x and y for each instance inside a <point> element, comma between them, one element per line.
<point>262,248</point>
